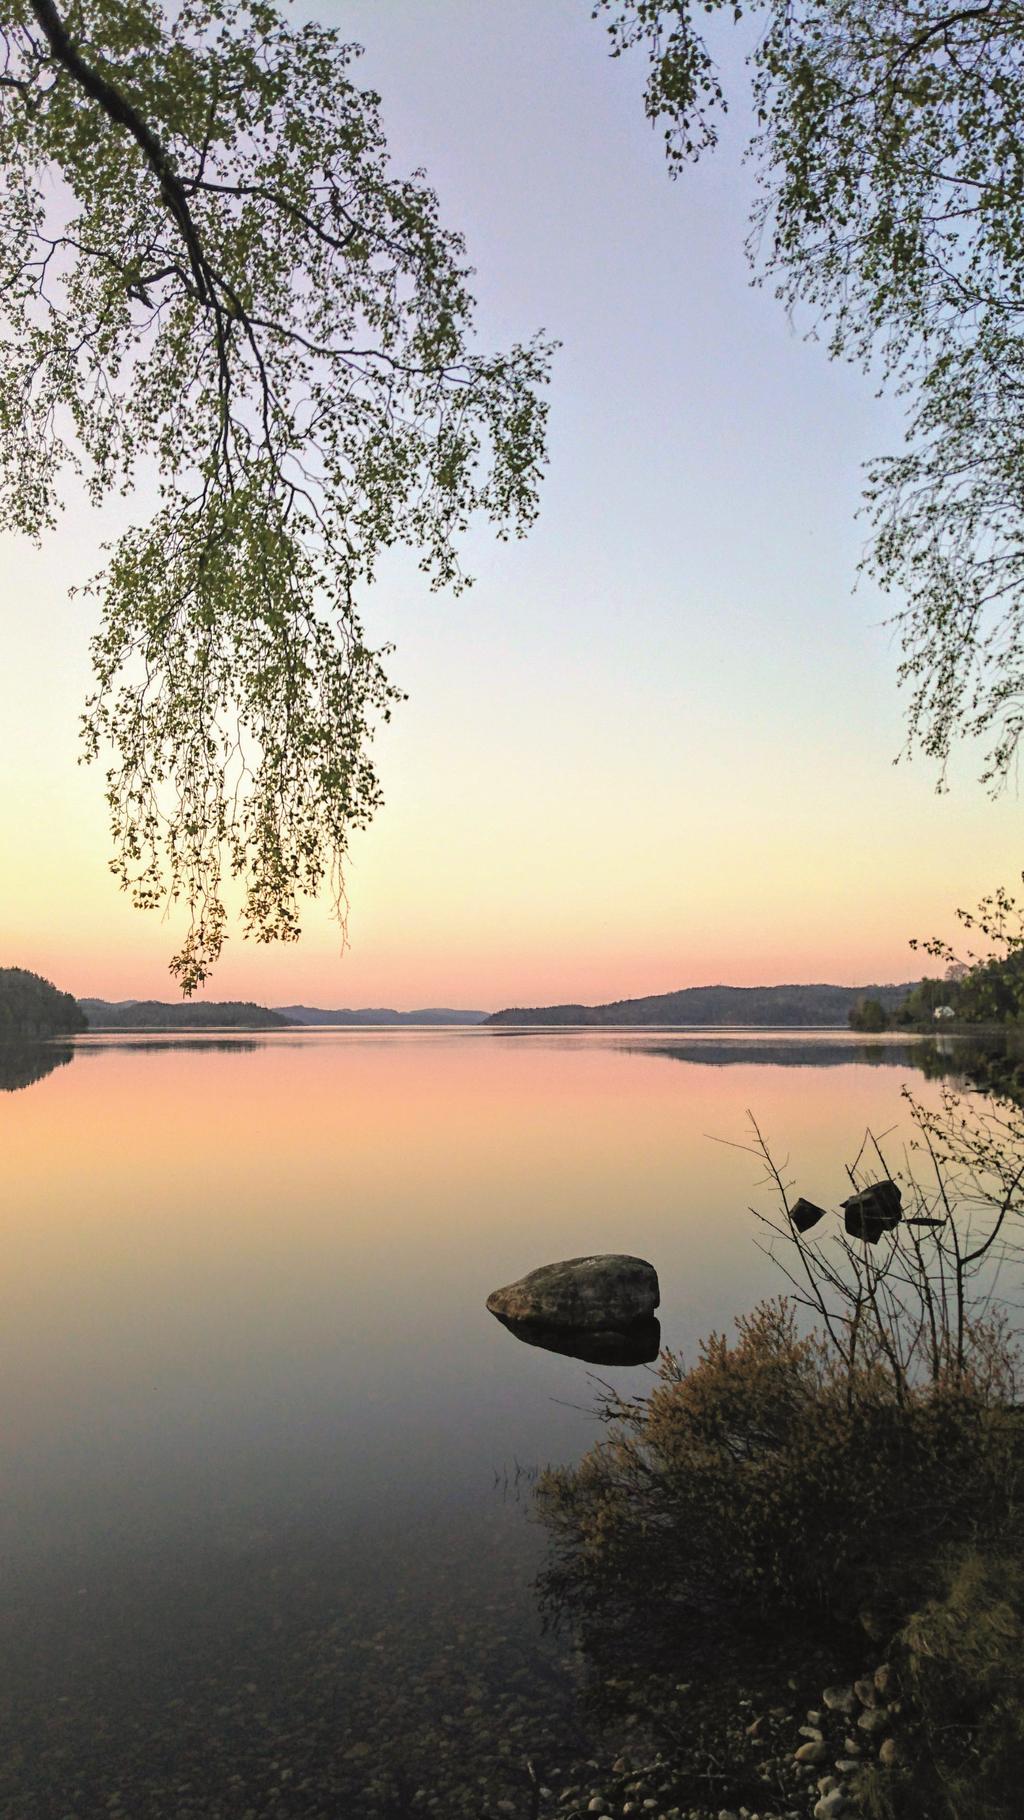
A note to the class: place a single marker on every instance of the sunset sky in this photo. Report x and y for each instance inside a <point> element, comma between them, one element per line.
<point>653,746</point>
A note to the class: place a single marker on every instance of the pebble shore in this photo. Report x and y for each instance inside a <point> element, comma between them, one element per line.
<point>812,1764</point>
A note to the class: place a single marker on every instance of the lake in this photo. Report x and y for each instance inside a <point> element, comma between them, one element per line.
<point>264,1536</point>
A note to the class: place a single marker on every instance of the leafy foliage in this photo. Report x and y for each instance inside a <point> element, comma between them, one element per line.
<point>891,203</point>
<point>870,1015</point>
<point>988,980</point>
<point>208,268</point>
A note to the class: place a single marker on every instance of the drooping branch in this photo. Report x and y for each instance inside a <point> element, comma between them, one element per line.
<point>283,327</point>
<point>889,215</point>
<point>119,109</point>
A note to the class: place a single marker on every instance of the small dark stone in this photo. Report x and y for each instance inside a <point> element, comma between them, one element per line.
<point>873,1211</point>
<point>804,1214</point>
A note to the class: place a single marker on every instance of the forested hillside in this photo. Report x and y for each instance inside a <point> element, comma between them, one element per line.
<point>798,1006</point>
<point>32,1007</point>
<point>151,1014</point>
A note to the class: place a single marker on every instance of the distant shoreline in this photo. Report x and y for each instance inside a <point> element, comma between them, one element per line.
<point>822,1005</point>
<point>156,1016</point>
<point>798,1007</point>
<point>497,1029</point>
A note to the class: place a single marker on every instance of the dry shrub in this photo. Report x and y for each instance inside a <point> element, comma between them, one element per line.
<point>771,1483</point>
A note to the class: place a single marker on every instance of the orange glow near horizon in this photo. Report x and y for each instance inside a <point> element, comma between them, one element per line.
<point>442,913</point>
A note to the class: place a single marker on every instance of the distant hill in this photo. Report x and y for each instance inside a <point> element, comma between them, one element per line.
<point>723,1006</point>
<point>31,1008</point>
<point>377,1015</point>
<point>187,1014</point>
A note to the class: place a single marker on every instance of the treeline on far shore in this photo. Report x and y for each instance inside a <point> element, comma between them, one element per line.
<point>989,994</point>
<point>33,1009</point>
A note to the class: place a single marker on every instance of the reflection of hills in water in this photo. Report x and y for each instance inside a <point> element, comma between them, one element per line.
<point>23,1063</point>
<point>636,1345</point>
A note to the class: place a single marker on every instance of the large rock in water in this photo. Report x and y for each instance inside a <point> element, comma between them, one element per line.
<point>610,1292</point>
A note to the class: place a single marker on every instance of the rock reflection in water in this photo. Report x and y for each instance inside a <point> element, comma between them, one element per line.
<point>638,1345</point>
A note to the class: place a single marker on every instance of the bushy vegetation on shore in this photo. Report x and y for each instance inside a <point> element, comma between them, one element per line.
<point>769,1480</point>
<point>845,1472</point>
<point>32,1008</point>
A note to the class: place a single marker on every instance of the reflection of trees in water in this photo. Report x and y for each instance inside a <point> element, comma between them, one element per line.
<point>764,1051</point>
<point>225,1045</point>
<point>23,1063</point>
<point>982,1065</point>
<point>992,1065</point>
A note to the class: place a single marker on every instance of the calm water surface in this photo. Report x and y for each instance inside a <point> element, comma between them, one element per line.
<point>260,1542</point>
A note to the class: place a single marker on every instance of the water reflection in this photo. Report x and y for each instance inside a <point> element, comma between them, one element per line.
<point>789,1052</point>
<point>991,1064</point>
<point>21,1064</point>
<point>640,1345</point>
<point>987,1063</point>
<point>195,1045</point>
